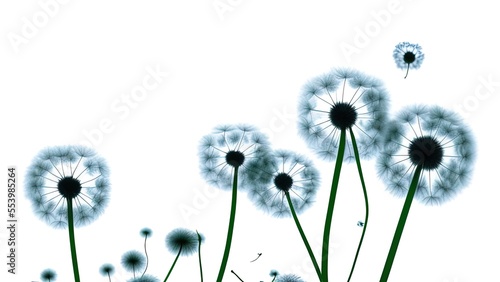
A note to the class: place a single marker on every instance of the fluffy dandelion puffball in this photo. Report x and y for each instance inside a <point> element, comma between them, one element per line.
<point>182,240</point>
<point>107,269</point>
<point>48,275</point>
<point>408,56</point>
<point>285,172</point>
<point>230,147</point>
<point>343,100</point>
<point>75,173</point>
<point>435,139</point>
<point>133,261</point>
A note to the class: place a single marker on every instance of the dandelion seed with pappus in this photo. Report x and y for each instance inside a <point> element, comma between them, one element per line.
<point>68,186</point>
<point>225,158</point>
<point>331,105</point>
<point>291,187</point>
<point>408,56</point>
<point>179,242</point>
<point>133,261</point>
<point>429,155</point>
<point>48,275</point>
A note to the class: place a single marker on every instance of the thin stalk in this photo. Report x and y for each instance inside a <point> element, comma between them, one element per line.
<point>199,255</point>
<point>365,194</point>
<point>71,231</point>
<point>237,276</point>
<point>230,228</point>
<point>109,276</point>
<point>303,235</point>
<point>147,258</point>
<point>401,225</point>
<point>331,204</point>
<point>173,264</point>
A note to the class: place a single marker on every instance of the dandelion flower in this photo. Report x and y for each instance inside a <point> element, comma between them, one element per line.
<point>293,182</point>
<point>228,149</point>
<point>429,155</point>
<point>291,174</point>
<point>48,275</point>
<point>434,139</point>
<point>181,241</point>
<point>107,270</point>
<point>273,273</point>
<point>225,158</point>
<point>408,56</point>
<point>133,261</point>
<point>331,105</point>
<point>68,186</point>
<point>343,100</point>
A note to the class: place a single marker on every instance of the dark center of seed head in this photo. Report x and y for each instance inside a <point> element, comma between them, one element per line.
<point>69,187</point>
<point>426,151</point>
<point>343,115</point>
<point>409,57</point>
<point>235,158</point>
<point>283,181</point>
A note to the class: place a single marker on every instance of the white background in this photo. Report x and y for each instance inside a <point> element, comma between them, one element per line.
<point>65,68</point>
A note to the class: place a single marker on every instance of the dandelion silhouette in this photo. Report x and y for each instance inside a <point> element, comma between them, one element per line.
<point>289,278</point>
<point>133,261</point>
<point>332,104</point>
<point>429,154</point>
<point>291,188</point>
<point>225,158</point>
<point>48,275</point>
<point>146,233</point>
<point>179,242</point>
<point>107,269</point>
<point>68,186</point>
<point>273,273</point>
<point>408,55</point>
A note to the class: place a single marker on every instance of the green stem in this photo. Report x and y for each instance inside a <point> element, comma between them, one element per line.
<point>173,264</point>
<point>401,224</point>
<point>230,227</point>
<point>71,231</point>
<point>331,204</point>
<point>365,194</point>
<point>303,235</point>
<point>199,254</point>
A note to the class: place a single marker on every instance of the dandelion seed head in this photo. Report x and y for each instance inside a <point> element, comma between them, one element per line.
<point>67,173</point>
<point>183,240</point>
<point>358,102</point>
<point>133,261</point>
<point>435,139</point>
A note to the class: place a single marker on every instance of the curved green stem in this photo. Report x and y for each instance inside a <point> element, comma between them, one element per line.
<point>230,228</point>
<point>173,264</point>
<point>401,224</point>
<point>365,194</point>
<point>303,235</point>
<point>331,204</point>
<point>199,255</point>
<point>71,231</point>
<point>147,258</point>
